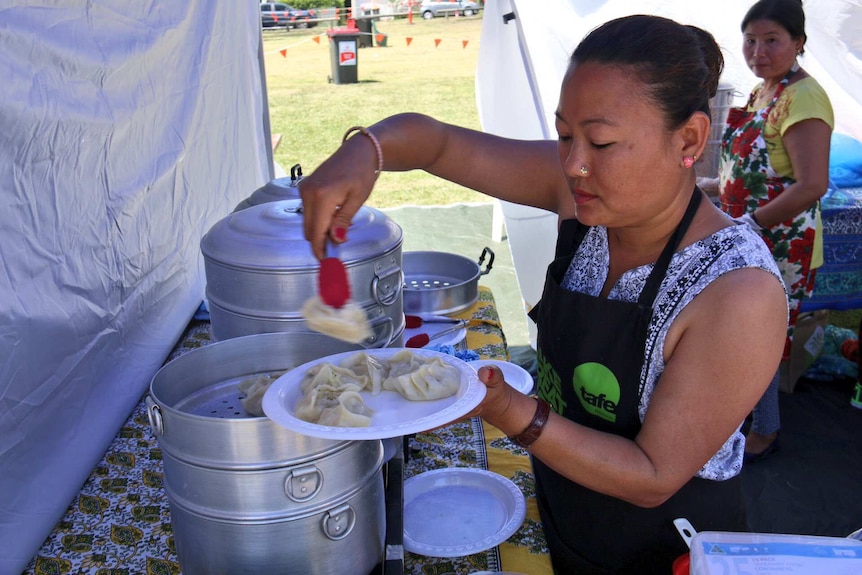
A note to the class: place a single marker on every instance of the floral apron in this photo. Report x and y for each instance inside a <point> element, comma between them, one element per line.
<point>591,355</point>
<point>748,181</point>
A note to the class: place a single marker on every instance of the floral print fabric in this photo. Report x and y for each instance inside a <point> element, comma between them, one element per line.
<point>749,181</point>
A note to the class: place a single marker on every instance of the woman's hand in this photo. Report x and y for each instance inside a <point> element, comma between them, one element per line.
<point>498,394</point>
<point>336,190</point>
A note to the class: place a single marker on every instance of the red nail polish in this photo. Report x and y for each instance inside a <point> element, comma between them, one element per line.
<point>340,234</point>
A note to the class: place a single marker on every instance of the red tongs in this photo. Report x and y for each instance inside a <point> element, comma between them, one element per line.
<point>422,339</point>
<point>333,287</point>
<point>414,321</point>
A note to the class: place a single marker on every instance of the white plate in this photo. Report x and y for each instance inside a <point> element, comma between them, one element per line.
<point>459,511</point>
<point>453,338</point>
<point>394,415</point>
<point>514,374</point>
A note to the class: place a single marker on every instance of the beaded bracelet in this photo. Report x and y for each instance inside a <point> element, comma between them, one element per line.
<point>374,140</point>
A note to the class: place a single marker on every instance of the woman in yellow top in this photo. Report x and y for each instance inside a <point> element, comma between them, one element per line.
<point>774,169</point>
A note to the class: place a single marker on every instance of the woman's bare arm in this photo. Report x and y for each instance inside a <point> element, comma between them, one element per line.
<point>721,354</point>
<point>519,171</point>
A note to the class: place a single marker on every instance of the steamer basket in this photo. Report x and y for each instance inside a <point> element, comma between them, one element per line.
<point>441,282</point>
<point>302,486</point>
<point>345,538</point>
<point>260,270</point>
<point>248,496</point>
<point>195,410</point>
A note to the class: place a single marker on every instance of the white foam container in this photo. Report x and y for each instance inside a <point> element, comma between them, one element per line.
<point>726,553</point>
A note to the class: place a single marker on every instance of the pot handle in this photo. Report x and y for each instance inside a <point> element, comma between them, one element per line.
<point>485,252</point>
<point>388,335</point>
<point>154,415</point>
<point>303,484</point>
<point>387,283</point>
<point>339,522</point>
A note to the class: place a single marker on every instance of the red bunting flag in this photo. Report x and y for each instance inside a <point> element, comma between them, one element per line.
<point>437,42</point>
<point>409,40</point>
<point>464,43</point>
<point>316,39</point>
<point>283,52</point>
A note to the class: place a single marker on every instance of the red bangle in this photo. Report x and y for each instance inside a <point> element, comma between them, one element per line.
<point>534,430</point>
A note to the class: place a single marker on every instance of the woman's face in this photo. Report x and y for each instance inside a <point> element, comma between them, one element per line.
<point>768,49</point>
<point>605,124</point>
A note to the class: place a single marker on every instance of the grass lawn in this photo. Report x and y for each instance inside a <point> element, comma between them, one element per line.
<point>436,78</point>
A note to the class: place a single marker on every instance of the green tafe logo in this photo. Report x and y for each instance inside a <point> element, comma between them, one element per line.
<point>597,389</point>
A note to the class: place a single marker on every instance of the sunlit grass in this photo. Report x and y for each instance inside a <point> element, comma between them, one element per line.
<point>311,114</point>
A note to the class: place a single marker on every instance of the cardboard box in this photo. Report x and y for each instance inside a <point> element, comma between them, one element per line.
<point>807,344</point>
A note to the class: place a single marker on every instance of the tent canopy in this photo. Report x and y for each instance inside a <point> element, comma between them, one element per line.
<point>129,128</point>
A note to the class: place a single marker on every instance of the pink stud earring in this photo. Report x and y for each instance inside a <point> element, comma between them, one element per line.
<point>688,161</point>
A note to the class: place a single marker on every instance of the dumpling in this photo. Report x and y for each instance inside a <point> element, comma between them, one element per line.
<point>347,323</point>
<point>333,376</point>
<point>253,389</point>
<point>434,379</point>
<point>369,368</point>
<point>350,411</point>
<point>404,361</point>
<point>312,403</point>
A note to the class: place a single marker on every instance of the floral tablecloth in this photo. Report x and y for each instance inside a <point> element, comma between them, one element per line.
<point>120,522</point>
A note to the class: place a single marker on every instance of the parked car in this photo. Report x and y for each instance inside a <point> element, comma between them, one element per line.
<point>430,9</point>
<point>283,15</point>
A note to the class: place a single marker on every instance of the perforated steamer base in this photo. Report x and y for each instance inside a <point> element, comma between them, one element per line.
<point>222,400</point>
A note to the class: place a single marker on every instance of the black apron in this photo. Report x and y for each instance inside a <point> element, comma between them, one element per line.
<point>591,353</point>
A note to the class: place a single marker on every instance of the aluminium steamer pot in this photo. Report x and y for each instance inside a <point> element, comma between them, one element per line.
<point>247,495</point>
<point>260,270</point>
<point>442,283</point>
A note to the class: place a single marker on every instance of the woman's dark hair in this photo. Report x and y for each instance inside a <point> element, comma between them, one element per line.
<point>679,65</point>
<point>787,13</point>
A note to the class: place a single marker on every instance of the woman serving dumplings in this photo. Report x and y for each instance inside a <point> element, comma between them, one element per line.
<point>649,359</point>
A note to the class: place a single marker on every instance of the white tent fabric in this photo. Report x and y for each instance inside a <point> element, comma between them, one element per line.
<point>129,128</point>
<point>525,48</point>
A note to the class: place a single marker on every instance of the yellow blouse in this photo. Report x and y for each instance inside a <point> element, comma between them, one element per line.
<point>802,100</point>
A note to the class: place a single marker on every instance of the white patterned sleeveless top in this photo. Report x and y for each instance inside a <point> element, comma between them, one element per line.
<point>691,270</point>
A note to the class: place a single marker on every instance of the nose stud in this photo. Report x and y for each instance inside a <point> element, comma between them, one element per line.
<point>584,170</point>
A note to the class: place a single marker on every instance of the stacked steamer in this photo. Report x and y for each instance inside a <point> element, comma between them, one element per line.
<point>246,495</point>
<point>260,270</point>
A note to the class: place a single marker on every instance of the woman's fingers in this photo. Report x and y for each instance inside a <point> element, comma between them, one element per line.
<point>333,194</point>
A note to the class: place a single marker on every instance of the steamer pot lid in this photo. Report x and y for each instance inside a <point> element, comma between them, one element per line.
<point>285,188</point>
<point>270,235</point>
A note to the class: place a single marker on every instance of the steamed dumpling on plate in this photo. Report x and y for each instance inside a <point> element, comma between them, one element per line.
<point>350,411</point>
<point>371,369</point>
<point>433,379</point>
<point>333,376</point>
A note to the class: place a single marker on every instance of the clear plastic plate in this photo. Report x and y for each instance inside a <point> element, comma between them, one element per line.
<point>459,511</point>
